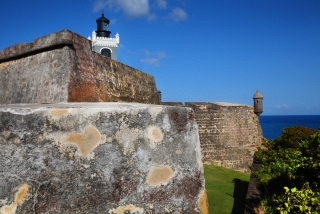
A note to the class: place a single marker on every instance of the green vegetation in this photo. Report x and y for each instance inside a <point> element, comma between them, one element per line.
<point>226,189</point>
<point>290,172</point>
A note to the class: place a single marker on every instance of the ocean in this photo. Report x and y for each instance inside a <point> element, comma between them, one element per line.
<point>272,126</point>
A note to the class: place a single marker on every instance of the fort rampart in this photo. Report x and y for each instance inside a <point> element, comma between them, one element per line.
<point>63,149</point>
<point>100,158</point>
<point>229,133</point>
<point>61,67</point>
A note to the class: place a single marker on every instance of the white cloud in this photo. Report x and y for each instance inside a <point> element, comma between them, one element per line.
<point>153,58</point>
<point>152,17</point>
<point>178,14</point>
<point>151,61</point>
<point>140,9</point>
<point>281,107</point>
<point>113,21</point>
<point>132,8</point>
<point>161,4</point>
<point>99,5</point>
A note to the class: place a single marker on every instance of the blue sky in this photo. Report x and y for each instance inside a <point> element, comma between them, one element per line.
<point>197,50</point>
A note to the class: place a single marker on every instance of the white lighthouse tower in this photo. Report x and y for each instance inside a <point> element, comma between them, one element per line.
<point>101,41</point>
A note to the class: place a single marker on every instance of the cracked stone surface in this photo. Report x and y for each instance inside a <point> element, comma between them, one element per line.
<point>100,158</point>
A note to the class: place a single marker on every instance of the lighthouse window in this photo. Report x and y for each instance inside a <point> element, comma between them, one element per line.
<point>106,52</point>
<point>105,26</point>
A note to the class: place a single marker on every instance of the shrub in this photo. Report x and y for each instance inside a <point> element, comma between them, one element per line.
<point>291,137</point>
<point>288,165</point>
<point>298,201</point>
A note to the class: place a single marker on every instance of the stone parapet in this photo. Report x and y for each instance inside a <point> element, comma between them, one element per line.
<point>61,67</point>
<point>100,158</point>
<point>49,42</point>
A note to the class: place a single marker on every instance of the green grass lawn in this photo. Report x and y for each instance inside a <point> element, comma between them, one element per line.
<point>226,189</point>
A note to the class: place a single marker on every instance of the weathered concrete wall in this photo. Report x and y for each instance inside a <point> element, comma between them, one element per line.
<point>100,158</point>
<point>61,67</point>
<point>229,133</point>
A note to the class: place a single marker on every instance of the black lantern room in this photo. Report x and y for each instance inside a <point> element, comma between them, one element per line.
<point>103,27</point>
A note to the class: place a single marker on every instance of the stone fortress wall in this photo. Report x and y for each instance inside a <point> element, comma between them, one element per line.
<point>100,158</point>
<point>61,67</point>
<point>70,141</point>
<point>229,133</point>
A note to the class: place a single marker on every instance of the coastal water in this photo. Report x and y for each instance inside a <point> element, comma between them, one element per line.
<point>272,126</point>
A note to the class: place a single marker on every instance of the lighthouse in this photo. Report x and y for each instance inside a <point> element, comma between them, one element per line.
<point>102,42</point>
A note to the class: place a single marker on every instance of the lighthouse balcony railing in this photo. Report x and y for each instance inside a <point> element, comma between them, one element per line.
<point>106,38</point>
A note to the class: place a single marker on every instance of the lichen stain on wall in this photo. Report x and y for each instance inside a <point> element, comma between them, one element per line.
<point>3,65</point>
<point>155,134</point>
<point>159,175</point>
<point>127,139</point>
<point>58,112</point>
<point>126,208</point>
<point>203,202</point>
<point>21,196</point>
<point>85,142</point>
<point>179,151</point>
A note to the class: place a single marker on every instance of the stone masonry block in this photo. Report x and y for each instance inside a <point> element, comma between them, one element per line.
<point>100,158</point>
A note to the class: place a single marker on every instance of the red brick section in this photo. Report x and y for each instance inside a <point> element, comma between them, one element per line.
<point>82,85</point>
